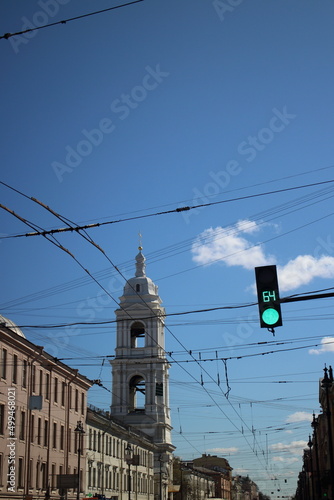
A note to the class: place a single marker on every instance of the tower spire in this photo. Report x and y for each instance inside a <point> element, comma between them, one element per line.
<point>140,260</point>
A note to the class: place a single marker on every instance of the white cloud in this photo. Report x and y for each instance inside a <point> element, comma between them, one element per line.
<point>240,471</point>
<point>303,269</point>
<point>229,246</point>
<point>295,447</point>
<point>327,345</point>
<point>224,450</point>
<point>300,416</point>
<point>286,460</point>
<point>232,245</point>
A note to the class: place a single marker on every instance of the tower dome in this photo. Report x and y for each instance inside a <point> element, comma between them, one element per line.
<point>140,284</point>
<point>11,326</point>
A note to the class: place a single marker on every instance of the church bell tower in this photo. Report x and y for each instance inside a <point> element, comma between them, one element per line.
<point>140,379</point>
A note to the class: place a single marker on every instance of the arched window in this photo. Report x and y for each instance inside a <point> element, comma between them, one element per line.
<point>137,393</point>
<point>137,288</point>
<point>137,334</point>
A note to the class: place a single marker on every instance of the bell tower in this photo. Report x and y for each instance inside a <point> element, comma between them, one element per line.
<point>140,378</point>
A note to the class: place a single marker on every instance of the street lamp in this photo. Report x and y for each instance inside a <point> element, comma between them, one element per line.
<point>314,424</point>
<point>129,459</point>
<point>80,430</point>
<point>310,444</point>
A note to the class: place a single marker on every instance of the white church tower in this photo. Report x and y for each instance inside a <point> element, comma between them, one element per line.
<point>140,379</point>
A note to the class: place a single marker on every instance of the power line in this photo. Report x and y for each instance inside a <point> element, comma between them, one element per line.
<point>63,219</point>
<point>9,35</point>
<point>77,228</point>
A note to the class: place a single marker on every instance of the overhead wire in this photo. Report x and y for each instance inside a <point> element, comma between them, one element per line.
<point>166,250</point>
<point>166,212</point>
<point>100,249</point>
<point>88,239</point>
<point>6,36</point>
<point>76,260</point>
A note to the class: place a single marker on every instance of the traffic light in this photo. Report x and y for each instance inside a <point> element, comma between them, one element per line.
<point>268,296</point>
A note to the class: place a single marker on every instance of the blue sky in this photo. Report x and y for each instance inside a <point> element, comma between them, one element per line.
<point>161,105</point>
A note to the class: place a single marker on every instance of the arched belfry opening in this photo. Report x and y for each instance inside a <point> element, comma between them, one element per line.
<point>137,333</point>
<point>137,391</point>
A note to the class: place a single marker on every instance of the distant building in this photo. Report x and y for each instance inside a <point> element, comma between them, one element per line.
<point>41,402</point>
<point>219,470</point>
<point>119,459</point>
<point>192,483</point>
<point>243,488</point>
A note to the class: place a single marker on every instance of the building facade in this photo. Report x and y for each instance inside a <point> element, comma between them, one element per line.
<point>316,480</point>
<point>140,370</point>
<point>220,471</point>
<point>41,402</point>
<point>119,459</point>
<point>192,483</point>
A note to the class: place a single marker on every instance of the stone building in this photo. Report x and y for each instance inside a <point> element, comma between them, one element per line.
<point>192,483</point>
<point>316,479</point>
<point>220,471</point>
<point>119,459</point>
<point>41,402</point>
<point>243,488</point>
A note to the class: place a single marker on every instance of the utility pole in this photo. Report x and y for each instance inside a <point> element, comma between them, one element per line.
<point>80,430</point>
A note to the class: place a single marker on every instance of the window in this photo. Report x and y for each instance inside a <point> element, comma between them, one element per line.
<point>70,396</point>
<point>40,382</point>
<point>4,364</point>
<point>53,476</point>
<point>89,475</point>
<point>14,373</point>
<point>1,469</point>
<point>137,288</point>
<point>20,473</point>
<point>90,439</point>
<point>63,393</point>
<point>46,432</point>
<point>22,425</point>
<point>2,419</point>
<point>37,475</point>
<point>94,440</point>
<point>24,373</point>
<point>31,465</point>
<point>44,476</point>
<point>76,400</point>
<point>32,430</point>
<point>54,435</point>
<point>62,437</point>
<point>39,430</point>
<point>33,378</point>
<point>83,406</point>
<point>47,386</point>
<point>70,439</point>
<point>56,390</point>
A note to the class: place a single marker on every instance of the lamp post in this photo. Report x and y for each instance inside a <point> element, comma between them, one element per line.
<point>314,424</point>
<point>310,444</point>
<point>128,459</point>
<point>80,430</point>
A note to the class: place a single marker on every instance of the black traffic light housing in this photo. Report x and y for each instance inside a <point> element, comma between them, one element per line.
<point>268,297</point>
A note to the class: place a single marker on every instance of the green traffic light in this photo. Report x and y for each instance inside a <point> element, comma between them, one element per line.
<point>270,316</point>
